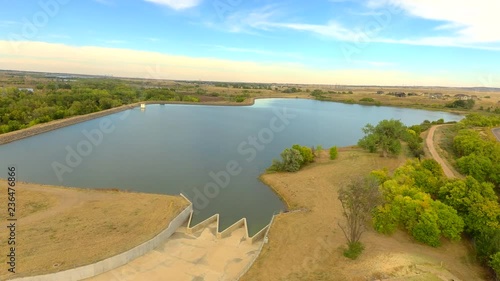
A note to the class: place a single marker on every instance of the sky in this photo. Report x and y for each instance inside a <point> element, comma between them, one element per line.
<point>373,42</point>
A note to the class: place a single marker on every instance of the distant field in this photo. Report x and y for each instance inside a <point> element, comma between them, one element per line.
<point>63,228</point>
<point>243,93</point>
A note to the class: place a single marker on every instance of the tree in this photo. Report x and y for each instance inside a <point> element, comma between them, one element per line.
<point>475,202</point>
<point>333,153</point>
<point>495,263</point>
<point>358,200</point>
<point>385,137</point>
<point>406,204</point>
<point>291,161</point>
<point>305,152</point>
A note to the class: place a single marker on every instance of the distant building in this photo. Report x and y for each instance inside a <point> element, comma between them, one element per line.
<point>29,90</point>
<point>436,96</point>
<point>462,97</point>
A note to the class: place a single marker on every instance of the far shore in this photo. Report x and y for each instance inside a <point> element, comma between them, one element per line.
<point>57,124</point>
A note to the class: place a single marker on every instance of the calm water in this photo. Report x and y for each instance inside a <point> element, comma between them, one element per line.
<point>174,148</point>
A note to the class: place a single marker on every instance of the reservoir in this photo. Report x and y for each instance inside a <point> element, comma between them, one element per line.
<point>212,154</point>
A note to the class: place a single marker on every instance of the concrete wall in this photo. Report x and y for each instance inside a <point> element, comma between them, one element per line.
<point>263,233</point>
<point>226,232</point>
<point>118,260</point>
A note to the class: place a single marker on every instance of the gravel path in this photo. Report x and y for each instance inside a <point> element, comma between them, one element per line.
<point>496,132</point>
<point>430,144</point>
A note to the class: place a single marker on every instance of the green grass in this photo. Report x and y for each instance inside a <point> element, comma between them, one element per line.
<point>354,250</point>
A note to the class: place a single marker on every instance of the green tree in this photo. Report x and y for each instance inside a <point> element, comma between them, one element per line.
<point>407,205</point>
<point>291,161</point>
<point>333,153</point>
<point>426,230</point>
<point>478,166</point>
<point>475,202</point>
<point>306,152</point>
<point>385,137</point>
<point>495,263</point>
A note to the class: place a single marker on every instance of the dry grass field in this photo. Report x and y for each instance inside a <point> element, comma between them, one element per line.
<point>214,93</point>
<point>306,243</point>
<point>62,228</point>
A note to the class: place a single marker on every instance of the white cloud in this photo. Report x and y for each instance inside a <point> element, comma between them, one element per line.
<point>50,57</point>
<point>477,21</point>
<point>331,29</point>
<point>177,4</point>
<point>466,24</point>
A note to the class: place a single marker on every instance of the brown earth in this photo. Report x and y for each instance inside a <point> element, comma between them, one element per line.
<point>62,228</point>
<point>447,169</point>
<point>306,243</point>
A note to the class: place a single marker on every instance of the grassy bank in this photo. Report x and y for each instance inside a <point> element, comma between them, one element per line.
<point>307,244</point>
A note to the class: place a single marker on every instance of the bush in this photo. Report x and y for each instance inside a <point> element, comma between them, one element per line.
<point>495,263</point>
<point>319,148</point>
<point>407,204</point>
<point>354,250</point>
<point>333,153</point>
<point>291,161</point>
<point>306,152</point>
<point>367,100</point>
<point>427,230</point>
<point>464,104</point>
<point>487,244</point>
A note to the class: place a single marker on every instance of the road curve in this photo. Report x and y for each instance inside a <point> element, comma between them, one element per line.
<point>430,144</point>
<point>496,132</point>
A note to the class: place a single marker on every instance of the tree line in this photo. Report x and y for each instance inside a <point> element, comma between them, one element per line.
<point>22,109</point>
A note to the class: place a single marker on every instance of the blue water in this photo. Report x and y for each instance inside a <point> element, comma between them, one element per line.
<point>171,149</point>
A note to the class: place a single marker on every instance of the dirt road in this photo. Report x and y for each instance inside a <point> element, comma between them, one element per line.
<point>496,132</point>
<point>430,144</point>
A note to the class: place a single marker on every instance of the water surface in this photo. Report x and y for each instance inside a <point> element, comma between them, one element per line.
<point>171,149</point>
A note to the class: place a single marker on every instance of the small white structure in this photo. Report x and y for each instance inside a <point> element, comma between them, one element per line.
<point>143,106</point>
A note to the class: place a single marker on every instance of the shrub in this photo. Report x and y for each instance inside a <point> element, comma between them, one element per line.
<point>427,230</point>
<point>367,100</point>
<point>333,153</point>
<point>319,148</point>
<point>495,263</point>
<point>468,104</point>
<point>306,152</point>
<point>354,250</point>
<point>291,161</point>
<point>487,244</point>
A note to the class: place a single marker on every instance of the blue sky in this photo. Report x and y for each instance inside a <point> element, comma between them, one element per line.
<point>386,42</point>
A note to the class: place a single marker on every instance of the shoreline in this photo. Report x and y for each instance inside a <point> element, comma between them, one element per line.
<point>61,123</point>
